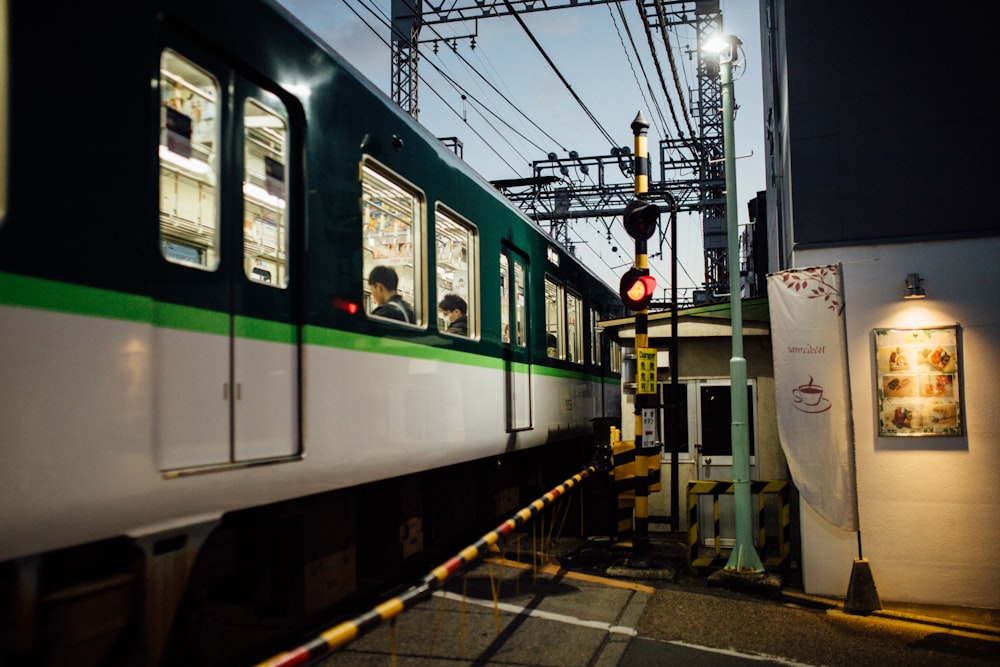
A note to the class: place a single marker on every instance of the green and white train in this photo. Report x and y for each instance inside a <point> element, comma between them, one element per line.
<point>202,425</point>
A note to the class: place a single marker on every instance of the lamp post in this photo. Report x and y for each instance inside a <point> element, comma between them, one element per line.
<point>744,558</point>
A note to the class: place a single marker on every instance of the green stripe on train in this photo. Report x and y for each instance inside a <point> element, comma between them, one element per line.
<point>57,296</point>
<point>345,340</point>
<point>62,297</point>
<point>276,332</point>
<point>186,318</point>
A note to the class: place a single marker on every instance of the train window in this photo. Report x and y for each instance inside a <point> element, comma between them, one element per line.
<point>189,139</point>
<point>595,339</point>
<point>455,243</point>
<point>554,323</point>
<point>392,215</point>
<point>3,110</point>
<point>504,299</point>
<point>574,328</point>
<point>520,303</point>
<point>615,357</point>
<point>265,226</point>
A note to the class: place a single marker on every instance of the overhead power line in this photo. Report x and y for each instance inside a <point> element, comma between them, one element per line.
<point>436,93</point>
<point>510,8</point>
<point>489,83</point>
<point>673,65</point>
<point>661,127</point>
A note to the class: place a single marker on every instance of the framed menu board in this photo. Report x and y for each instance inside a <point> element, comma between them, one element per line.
<point>917,381</point>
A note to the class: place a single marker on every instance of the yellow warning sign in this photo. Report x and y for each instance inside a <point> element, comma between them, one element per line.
<point>645,373</point>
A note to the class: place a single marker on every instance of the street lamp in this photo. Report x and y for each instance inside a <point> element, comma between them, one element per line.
<point>744,558</point>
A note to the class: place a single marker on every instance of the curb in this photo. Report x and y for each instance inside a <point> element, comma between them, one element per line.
<point>830,603</point>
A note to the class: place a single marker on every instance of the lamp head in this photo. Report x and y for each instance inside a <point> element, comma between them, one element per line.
<point>724,46</point>
<point>914,287</point>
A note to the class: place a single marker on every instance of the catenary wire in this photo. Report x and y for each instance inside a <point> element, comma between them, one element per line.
<point>468,95</point>
<point>495,89</point>
<point>439,96</point>
<point>555,69</point>
<point>660,128</point>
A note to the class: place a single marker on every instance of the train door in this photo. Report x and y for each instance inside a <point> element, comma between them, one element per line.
<point>266,343</point>
<point>226,342</point>
<point>707,404</point>
<point>515,335</point>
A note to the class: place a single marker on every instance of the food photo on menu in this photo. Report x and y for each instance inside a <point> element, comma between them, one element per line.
<point>917,381</point>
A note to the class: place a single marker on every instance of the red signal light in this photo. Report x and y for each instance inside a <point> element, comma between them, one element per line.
<point>636,288</point>
<point>641,288</point>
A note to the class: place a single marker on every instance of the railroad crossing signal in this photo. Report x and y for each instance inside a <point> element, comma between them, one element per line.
<point>641,218</point>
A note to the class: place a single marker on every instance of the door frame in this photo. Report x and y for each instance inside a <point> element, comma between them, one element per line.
<point>517,361</point>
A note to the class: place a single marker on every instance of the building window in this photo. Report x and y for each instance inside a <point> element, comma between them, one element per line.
<point>705,416</point>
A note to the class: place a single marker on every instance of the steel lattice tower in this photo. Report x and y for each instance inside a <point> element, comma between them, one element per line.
<point>407,18</point>
<point>712,167</point>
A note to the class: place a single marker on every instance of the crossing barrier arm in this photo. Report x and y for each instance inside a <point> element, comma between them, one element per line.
<point>340,635</point>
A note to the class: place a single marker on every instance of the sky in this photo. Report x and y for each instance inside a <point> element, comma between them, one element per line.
<point>592,90</point>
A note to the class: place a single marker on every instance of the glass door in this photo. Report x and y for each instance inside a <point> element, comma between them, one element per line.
<point>707,404</point>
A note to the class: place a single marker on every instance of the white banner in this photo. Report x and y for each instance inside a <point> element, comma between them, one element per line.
<point>811,388</point>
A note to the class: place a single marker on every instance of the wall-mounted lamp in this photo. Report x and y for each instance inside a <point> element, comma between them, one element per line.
<point>914,289</point>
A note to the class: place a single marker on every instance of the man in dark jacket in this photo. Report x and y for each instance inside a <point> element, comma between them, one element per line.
<point>454,309</point>
<point>383,282</point>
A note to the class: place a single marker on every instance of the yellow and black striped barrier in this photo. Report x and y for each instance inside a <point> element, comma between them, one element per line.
<point>626,459</point>
<point>781,488</point>
<point>346,632</point>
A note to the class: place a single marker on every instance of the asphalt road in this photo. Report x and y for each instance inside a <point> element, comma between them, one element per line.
<point>505,613</point>
<point>786,633</point>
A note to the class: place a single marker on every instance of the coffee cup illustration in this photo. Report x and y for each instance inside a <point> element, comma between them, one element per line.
<point>808,394</point>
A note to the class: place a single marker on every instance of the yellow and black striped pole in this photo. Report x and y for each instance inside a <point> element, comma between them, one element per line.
<point>640,224</point>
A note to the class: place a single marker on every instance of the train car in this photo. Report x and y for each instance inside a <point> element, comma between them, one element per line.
<point>205,425</point>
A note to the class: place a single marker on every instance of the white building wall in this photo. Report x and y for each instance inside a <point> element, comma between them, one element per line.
<point>927,505</point>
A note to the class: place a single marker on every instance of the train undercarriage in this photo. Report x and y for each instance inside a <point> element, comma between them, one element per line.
<point>228,590</point>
